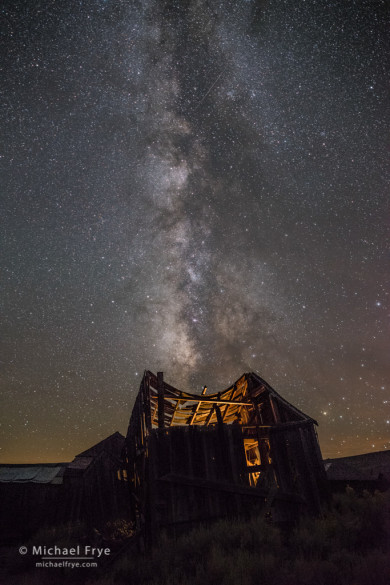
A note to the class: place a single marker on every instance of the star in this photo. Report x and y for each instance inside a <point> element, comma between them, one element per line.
<point>200,191</point>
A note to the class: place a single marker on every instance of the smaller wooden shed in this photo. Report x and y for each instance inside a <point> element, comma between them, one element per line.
<point>88,489</point>
<point>191,458</point>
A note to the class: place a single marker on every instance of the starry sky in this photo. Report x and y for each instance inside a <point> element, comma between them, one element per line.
<point>198,187</point>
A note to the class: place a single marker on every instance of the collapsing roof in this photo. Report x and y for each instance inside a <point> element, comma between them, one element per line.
<point>236,403</point>
<point>183,448</point>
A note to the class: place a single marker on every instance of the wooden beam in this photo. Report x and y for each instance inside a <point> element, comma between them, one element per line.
<point>281,426</point>
<point>219,415</point>
<point>173,414</point>
<point>209,417</point>
<point>275,410</point>
<point>146,401</point>
<point>160,399</point>
<point>225,410</point>
<point>221,486</point>
<point>197,407</point>
<point>154,412</point>
<point>255,468</point>
<point>210,400</point>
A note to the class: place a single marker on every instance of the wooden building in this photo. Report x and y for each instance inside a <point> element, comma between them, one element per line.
<point>191,458</point>
<point>87,489</point>
<point>368,471</point>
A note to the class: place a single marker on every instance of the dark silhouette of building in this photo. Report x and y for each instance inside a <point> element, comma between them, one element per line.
<point>191,458</point>
<point>88,489</point>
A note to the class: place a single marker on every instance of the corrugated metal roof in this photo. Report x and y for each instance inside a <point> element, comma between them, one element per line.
<point>31,474</point>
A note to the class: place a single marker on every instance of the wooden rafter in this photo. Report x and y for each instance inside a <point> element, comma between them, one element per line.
<point>173,413</point>
<point>225,410</point>
<point>193,417</point>
<point>208,400</point>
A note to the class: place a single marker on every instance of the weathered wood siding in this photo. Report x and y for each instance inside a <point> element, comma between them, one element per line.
<point>186,465</point>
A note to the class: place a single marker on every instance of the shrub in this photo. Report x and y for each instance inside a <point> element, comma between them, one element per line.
<point>348,545</point>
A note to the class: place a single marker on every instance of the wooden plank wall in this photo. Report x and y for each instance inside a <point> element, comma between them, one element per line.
<point>296,464</point>
<point>183,475</point>
<point>195,472</point>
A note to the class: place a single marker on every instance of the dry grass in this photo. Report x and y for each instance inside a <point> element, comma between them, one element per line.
<point>348,545</point>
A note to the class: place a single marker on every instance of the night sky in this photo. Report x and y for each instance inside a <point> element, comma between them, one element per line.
<point>197,187</point>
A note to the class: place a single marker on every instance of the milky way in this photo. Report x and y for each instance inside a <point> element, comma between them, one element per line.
<point>199,188</point>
